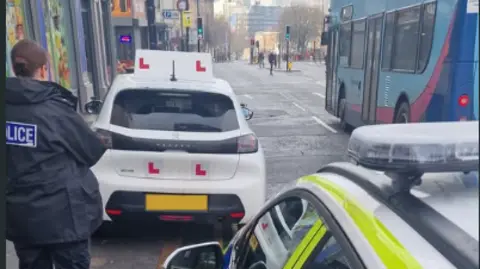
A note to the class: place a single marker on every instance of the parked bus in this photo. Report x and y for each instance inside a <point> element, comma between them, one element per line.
<point>397,61</point>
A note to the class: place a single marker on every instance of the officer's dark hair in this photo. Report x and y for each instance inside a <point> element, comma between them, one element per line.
<point>27,57</point>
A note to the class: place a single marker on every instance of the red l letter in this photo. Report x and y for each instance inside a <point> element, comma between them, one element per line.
<point>152,169</point>
<point>199,171</point>
<point>200,68</point>
<point>142,64</point>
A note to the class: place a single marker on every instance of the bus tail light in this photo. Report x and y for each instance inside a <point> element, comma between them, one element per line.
<point>463,100</point>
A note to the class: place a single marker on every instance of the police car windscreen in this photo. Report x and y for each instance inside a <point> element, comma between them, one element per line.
<point>174,110</point>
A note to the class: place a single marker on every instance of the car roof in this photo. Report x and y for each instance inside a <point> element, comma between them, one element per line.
<point>454,196</point>
<point>129,81</point>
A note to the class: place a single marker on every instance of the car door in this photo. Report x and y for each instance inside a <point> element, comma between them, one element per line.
<point>282,235</point>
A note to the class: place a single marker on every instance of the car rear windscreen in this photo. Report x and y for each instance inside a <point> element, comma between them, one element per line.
<point>174,110</point>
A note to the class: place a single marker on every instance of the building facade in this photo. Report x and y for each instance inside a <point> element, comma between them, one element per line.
<point>58,25</point>
<point>130,28</point>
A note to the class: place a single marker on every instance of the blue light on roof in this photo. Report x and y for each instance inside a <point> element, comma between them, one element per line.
<point>416,147</point>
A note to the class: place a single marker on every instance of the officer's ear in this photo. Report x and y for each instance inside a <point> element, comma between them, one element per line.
<point>43,72</point>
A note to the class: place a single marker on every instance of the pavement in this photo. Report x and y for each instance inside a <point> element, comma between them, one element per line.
<point>296,133</point>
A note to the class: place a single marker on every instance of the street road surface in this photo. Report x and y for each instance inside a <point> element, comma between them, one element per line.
<point>298,137</point>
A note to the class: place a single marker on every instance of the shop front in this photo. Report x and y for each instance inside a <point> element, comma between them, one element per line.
<point>16,28</point>
<point>57,40</point>
<point>59,29</point>
<point>57,25</point>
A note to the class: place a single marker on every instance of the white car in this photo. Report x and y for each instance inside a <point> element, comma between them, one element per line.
<point>179,146</point>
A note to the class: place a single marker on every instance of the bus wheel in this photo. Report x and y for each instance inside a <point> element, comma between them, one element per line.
<point>403,114</point>
<point>342,107</point>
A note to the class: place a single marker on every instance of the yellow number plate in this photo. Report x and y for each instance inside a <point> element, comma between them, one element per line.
<point>167,202</point>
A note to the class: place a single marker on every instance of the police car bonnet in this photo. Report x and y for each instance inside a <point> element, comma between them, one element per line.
<point>161,65</point>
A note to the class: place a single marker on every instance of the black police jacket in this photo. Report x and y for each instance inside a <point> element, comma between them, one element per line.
<point>51,195</point>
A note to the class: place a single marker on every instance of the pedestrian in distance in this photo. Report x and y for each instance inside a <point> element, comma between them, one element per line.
<point>271,60</point>
<point>53,202</point>
<point>261,60</point>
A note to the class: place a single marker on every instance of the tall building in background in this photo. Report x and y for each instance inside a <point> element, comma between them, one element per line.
<point>263,18</point>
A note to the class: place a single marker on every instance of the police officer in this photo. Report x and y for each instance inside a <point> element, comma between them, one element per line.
<point>52,198</point>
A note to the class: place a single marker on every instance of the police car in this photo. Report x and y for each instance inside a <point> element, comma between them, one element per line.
<point>409,199</point>
<point>179,146</point>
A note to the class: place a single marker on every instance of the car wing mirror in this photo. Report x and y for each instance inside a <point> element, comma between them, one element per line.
<point>247,113</point>
<point>207,255</point>
<point>93,107</point>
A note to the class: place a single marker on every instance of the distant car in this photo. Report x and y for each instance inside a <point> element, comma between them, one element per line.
<point>409,199</point>
<point>179,146</point>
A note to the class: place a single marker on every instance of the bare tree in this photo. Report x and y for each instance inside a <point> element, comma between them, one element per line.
<point>239,40</point>
<point>305,24</point>
<point>217,32</point>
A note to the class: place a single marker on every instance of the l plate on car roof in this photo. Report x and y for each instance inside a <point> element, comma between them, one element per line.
<point>189,66</point>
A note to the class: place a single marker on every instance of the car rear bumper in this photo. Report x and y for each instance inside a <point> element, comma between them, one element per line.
<point>128,206</point>
<point>245,193</point>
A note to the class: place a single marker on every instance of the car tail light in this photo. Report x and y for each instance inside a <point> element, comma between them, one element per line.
<point>114,212</point>
<point>175,218</point>
<point>463,100</point>
<point>237,215</point>
<point>247,144</point>
<point>105,137</point>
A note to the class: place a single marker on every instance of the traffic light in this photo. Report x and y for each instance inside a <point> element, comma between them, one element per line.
<point>199,27</point>
<point>287,32</point>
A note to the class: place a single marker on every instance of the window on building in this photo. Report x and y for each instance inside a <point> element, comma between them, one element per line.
<point>406,39</point>
<point>388,40</point>
<point>426,35</point>
<point>358,44</point>
<point>345,43</point>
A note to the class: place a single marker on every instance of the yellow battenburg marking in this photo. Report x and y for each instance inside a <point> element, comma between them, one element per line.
<point>253,242</point>
<point>309,249</point>
<point>390,251</point>
<point>299,250</point>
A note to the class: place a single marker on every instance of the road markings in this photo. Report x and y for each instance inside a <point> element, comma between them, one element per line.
<point>319,94</point>
<point>299,107</point>
<point>321,83</point>
<point>328,127</point>
<point>248,96</point>
<point>285,96</point>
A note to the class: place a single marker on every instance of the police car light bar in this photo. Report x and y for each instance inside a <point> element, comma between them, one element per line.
<point>189,66</point>
<point>416,147</point>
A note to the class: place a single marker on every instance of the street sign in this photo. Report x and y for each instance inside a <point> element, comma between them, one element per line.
<point>182,5</point>
<point>170,14</point>
<point>187,19</point>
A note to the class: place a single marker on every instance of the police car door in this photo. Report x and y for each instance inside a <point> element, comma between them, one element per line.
<point>278,236</point>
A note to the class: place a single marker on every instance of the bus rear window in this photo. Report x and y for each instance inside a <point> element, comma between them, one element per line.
<point>174,110</point>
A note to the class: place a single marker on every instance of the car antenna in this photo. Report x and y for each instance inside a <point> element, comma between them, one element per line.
<point>173,78</point>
